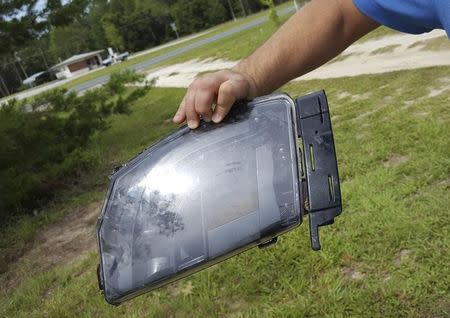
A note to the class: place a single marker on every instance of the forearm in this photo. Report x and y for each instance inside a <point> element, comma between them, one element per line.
<point>314,35</point>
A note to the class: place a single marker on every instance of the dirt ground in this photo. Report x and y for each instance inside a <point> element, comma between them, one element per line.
<point>60,243</point>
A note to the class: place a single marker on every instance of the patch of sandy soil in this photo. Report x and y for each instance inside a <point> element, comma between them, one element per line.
<point>437,91</point>
<point>180,288</point>
<point>361,61</point>
<point>432,92</point>
<point>395,160</point>
<point>356,60</point>
<point>402,255</point>
<point>60,243</point>
<point>352,273</point>
<point>182,74</point>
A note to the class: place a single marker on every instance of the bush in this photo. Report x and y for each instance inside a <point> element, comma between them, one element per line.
<point>44,142</point>
<point>273,16</point>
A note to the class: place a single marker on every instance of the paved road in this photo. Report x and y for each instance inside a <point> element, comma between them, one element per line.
<point>153,61</point>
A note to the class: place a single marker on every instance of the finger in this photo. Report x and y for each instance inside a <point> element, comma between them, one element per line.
<point>203,103</point>
<point>180,115</point>
<point>189,108</point>
<point>229,92</point>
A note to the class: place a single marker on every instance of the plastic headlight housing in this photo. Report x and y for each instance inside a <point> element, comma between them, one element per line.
<point>200,196</point>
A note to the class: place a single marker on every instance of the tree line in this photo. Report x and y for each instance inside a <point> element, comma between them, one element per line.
<point>36,34</point>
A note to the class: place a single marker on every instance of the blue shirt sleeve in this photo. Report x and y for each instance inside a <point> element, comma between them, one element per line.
<point>410,16</point>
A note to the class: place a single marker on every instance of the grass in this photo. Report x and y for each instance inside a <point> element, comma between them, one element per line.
<point>386,255</point>
<point>206,72</point>
<point>341,57</point>
<point>385,50</point>
<point>440,43</point>
<point>231,48</point>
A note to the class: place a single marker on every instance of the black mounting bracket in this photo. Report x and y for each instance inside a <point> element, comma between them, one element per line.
<point>319,173</point>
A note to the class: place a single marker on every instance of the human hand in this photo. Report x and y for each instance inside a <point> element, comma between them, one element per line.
<point>212,95</point>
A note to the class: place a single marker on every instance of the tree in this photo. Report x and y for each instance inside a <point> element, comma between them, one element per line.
<point>112,34</point>
<point>195,15</point>
<point>96,9</point>
<point>68,40</point>
<point>143,29</point>
<point>20,23</point>
<point>60,15</point>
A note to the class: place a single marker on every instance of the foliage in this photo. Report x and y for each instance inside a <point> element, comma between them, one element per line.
<point>273,16</point>
<point>195,15</point>
<point>20,23</point>
<point>61,15</point>
<point>112,34</point>
<point>139,29</point>
<point>67,39</point>
<point>44,141</point>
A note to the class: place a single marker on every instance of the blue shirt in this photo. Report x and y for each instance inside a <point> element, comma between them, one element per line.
<point>410,16</point>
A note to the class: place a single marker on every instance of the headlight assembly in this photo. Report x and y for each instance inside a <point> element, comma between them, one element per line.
<point>200,196</point>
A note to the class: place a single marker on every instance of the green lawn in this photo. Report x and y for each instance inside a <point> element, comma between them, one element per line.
<point>387,255</point>
<point>231,48</point>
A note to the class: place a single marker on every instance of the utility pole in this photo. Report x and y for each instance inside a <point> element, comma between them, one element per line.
<point>18,60</point>
<point>296,5</point>
<point>17,71</point>
<point>43,57</point>
<point>5,87</point>
<point>231,10</point>
<point>173,25</point>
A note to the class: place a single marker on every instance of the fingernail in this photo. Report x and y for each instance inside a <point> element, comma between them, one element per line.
<point>192,124</point>
<point>207,119</point>
<point>216,118</point>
